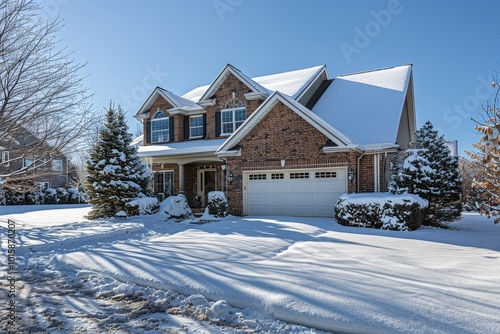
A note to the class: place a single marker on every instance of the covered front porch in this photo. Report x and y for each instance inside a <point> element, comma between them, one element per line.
<point>194,179</point>
<point>189,168</point>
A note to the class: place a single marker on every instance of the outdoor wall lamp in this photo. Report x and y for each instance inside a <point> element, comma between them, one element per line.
<point>351,176</point>
<point>230,178</point>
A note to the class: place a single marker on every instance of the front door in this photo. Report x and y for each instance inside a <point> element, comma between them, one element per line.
<point>206,184</point>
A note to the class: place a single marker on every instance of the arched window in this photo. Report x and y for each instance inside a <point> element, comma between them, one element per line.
<point>232,116</point>
<point>159,127</point>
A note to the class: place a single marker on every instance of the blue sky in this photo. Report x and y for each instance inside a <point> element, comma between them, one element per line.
<point>133,46</point>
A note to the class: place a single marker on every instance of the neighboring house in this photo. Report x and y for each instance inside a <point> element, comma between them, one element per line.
<point>24,158</point>
<point>284,144</point>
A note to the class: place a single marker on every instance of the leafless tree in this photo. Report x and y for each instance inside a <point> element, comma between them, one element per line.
<point>45,109</point>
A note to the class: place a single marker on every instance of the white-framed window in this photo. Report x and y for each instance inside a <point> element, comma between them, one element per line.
<point>28,161</point>
<point>231,119</point>
<point>196,126</point>
<point>44,185</point>
<point>164,182</point>
<point>57,165</point>
<point>159,127</point>
<point>5,158</point>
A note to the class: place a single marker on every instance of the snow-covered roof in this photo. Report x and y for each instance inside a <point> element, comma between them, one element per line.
<point>181,148</point>
<point>366,106</point>
<point>291,83</point>
<point>195,94</point>
<point>177,102</point>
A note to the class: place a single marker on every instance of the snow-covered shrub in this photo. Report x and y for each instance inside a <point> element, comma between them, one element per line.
<point>142,206</point>
<point>176,207</point>
<point>2,196</point>
<point>13,197</point>
<point>382,210</point>
<point>33,197</point>
<point>217,204</point>
<point>62,195</point>
<point>73,196</point>
<point>50,196</point>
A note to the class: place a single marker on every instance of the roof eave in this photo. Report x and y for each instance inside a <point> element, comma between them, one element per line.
<point>259,96</point>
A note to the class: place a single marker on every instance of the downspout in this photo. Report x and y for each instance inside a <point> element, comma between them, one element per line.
<point>357,172</point>
<point>384,169</point>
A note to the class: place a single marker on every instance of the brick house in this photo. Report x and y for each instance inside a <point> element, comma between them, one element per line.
<point>27,154</point>
<point>283,144</point>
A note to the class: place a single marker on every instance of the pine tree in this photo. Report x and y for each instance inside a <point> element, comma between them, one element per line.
<point>445,199</point>
<point>487,159</point>
<point>414,176</point>
<point>116,174</point>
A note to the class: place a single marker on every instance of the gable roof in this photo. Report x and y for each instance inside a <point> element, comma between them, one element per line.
<point>177,102</point>
<point>292,83</point>
<point>230,69</point>
<point>329,131</point>
<point>367,106</point>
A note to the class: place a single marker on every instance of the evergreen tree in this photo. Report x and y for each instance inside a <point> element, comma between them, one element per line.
<point>414,176</point>
<point>487,159</point>
<point>116,175</point>
<point>445,199</point>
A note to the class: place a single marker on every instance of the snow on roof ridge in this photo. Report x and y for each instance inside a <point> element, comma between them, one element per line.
<point>257,81</point>
<point>374,70</point>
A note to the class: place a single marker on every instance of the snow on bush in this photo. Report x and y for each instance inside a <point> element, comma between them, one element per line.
<point>142,206</point>
<point>382,210</point>
<point>176,207</point>
<point>50,196</point>
<point>217,204</point>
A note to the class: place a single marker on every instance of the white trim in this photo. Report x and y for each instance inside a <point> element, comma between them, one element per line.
<point>233,111</point>
<point>311,81</point>
<point>159,119</point>
<point>251,84</point>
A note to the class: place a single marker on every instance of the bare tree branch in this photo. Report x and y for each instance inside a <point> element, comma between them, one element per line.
<point>41,89</point>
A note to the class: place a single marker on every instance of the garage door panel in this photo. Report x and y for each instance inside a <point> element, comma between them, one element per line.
<point>314,196</point>
<point>298,199</point>
<point>277,199</point>
<point>299,186</point>
<point>278,187</point>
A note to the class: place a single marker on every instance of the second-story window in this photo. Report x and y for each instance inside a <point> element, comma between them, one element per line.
<point>232,119</point>
<point>196,126</point>
<point>57,165</point>
<point>159,127</point>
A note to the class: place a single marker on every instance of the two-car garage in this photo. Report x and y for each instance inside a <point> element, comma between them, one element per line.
<point>294,192</point>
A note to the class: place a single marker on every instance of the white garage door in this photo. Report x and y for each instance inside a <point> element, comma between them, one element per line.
<point>294,192</point>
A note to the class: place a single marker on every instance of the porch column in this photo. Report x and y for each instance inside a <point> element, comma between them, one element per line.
<point>181,179</point>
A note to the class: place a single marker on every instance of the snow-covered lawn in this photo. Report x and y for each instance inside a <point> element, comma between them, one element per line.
<point>308,271</point>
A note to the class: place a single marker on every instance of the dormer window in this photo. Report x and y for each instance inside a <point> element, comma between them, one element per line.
<point>159,127</point>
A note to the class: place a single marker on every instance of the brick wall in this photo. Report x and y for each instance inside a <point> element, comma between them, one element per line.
<point>224,94</point>
<point>281,134</point>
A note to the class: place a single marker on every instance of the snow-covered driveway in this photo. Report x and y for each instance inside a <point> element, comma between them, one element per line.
<point>320,274</point>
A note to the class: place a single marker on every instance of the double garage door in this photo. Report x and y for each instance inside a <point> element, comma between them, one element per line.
<point>294,192</point>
